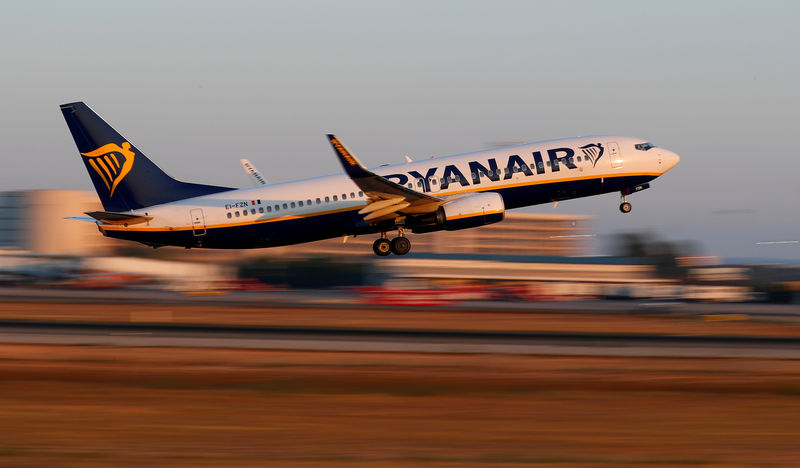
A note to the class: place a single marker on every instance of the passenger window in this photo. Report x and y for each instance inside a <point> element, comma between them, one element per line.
<point>277,207</point>
<point>335,198</point>
<point>300,203</point>
<point>244,212</point>
<point>319,201</point>
<point>308,202</point>
<point>541,165</point>
<point>253,211</point>
<point>579,159</point>
<point>352,195</point>
<point>237,214</point>
<point>433,181</point>
<point>292,204</point>
<point>410,186</point>
<point>360,194</point>
<point>548,163</point>
<point>229,215</point>
<point>269,209</point>
<point>260,209</point>
<point>285,206</point>
<point>327,199</point>
<point>344,196</point>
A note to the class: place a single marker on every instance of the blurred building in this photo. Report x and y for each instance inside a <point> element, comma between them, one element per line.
<point>34,221</point>
<point>520,234</point>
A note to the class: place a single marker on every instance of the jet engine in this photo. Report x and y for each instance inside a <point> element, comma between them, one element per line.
<point>471,211</point>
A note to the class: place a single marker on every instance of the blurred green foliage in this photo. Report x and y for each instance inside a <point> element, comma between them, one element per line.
<point>309,273</point>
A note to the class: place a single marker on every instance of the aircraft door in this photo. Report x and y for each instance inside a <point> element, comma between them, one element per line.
<point>614,155</point>
<point>198,222</point>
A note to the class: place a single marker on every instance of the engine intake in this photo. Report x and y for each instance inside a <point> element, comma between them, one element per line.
<point>471,211</point>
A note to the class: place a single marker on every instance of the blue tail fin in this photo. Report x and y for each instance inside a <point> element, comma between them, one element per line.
<point>122,175</point>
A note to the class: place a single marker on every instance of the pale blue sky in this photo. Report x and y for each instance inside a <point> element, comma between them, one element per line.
<point>198,85</point>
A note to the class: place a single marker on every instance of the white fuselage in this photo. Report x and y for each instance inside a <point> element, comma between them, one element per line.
<point>524,174</point>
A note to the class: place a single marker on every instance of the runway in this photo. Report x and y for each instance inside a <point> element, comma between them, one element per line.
<point>399,341</point>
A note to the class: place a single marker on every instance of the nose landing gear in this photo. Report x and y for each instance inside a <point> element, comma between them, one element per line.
<point>625,207</point>
<point>400,245</point>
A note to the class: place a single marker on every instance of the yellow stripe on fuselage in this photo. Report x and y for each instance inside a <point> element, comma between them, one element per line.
<point>473,215</point>
<point>544,182</point>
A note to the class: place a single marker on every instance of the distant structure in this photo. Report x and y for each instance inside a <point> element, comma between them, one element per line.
<point>35,221</point>
<point>519,234</point>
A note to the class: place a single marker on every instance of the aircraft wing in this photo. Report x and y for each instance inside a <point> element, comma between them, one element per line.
<point>386,199</point>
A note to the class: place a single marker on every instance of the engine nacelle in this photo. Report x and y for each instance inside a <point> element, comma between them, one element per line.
<point>471,211</point>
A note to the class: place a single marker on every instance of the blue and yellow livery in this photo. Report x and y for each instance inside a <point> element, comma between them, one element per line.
<point>142,203</point>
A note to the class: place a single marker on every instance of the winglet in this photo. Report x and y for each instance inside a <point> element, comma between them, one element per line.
<point>375,186</point>
<point>255,177</point>
<point>351,165</point>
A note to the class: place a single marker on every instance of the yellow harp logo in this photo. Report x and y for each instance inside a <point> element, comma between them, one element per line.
<point>112,163</point>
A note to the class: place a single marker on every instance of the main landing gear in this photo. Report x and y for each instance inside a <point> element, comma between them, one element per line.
<point>400,245</point>
<point>625,207</point>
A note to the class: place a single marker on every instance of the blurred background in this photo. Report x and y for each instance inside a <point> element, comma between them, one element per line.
<point>568,335</point>
<point>527,257</point>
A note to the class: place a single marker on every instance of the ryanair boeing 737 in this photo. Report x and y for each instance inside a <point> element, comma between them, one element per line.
<point>142,203</point>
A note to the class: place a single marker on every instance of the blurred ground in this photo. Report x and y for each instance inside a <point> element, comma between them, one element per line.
<point>99,406</point>
<point>133,406</point>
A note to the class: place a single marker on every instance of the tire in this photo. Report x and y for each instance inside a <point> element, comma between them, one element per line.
<point>625,207</point>
<point>381,247</point>
<point>401,245</point>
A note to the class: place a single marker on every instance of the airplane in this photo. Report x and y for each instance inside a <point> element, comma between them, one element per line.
<point>142,203</point>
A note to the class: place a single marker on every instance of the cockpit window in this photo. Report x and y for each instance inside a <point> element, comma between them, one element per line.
<point>644,146</point>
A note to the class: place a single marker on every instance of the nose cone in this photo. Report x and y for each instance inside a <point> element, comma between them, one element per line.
<point>669,160</point>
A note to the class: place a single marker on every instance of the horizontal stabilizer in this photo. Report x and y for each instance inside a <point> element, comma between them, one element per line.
<point>88,219</point>
<point>118,218</point>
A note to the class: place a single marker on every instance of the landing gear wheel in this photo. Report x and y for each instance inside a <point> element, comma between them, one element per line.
<point>401,245</point>
<point>625,207</point>
<point>381,247</point>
